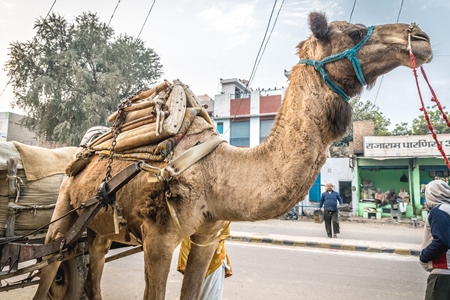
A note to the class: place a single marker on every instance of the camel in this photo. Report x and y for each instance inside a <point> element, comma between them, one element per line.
<point>240,184</point>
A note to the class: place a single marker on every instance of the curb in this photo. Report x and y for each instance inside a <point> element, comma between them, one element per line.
<point>347,245</point>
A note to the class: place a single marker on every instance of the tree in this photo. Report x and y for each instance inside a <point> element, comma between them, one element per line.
<point>365,111</point>
<point>420,125</point>
<point>72,76</point>
<point>402,129</point>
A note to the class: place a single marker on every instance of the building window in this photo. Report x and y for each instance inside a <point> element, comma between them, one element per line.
<point>264,128</point>
<point>237,93</point>
<point>220,127</point>
<point>240,134</point>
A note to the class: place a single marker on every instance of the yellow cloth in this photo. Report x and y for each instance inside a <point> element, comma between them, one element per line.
<point>219,255</point>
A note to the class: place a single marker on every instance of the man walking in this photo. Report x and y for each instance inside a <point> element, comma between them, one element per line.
<point>329,201</point>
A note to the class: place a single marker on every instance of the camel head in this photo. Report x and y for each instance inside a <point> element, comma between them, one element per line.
<point>353,55</point>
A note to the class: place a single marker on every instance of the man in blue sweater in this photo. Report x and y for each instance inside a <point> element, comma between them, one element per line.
<point>435,254</point>
<point>329,201</point>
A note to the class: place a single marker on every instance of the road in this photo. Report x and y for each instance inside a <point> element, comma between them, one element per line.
<point>281,272</point>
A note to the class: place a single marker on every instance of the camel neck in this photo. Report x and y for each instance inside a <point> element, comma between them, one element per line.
<point>286,164</point>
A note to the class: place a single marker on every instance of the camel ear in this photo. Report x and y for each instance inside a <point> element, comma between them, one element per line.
<point>319,25</point>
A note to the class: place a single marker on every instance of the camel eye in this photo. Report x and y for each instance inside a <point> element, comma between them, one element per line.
<point>358,35</point>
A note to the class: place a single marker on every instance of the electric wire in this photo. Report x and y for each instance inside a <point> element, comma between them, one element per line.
<point>252,74</point>
<point>4,89</point>
<point>51,8</point>
<point>146,18</point>
<point>381,80</point>
<point>267,41</point>
<point>256,60</point>
<point>351,13</point>
<point>400,11</point>
<point>113,12</point>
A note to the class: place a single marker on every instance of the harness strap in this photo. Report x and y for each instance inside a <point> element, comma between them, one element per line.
<point>182,162</point>
<point>191,156</point>
<point>350,54</point>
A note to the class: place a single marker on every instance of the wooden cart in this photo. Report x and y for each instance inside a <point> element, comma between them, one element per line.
<point>26,207</point>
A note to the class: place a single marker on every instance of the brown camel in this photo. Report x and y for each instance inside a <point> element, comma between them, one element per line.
<point>239,184</point>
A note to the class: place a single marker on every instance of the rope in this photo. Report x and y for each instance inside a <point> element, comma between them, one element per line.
<point>8,240</point>
<point>425,113</point>
<point>434,97</point>
<point>349,54</point>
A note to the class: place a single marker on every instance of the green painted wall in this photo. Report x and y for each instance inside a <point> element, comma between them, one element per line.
<point>386,179</point>
<point>385,174</point>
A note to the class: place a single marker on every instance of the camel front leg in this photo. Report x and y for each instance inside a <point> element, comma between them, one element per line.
<point>158,252</point>
<point>55,231</point>
<point>98,247</point>
<point>197,264</point>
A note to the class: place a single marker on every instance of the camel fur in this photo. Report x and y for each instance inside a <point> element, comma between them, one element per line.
<point>238,184</point>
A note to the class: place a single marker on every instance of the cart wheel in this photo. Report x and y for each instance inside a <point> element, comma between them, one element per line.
<point>69,280</point>
<point>287,216</point>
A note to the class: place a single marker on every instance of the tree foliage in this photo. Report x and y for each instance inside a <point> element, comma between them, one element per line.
<point>365,111</point>
<point>72,76</point>
<point>420,125</point>
<point>402,129</point>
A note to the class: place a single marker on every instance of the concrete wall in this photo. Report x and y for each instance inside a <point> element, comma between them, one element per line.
<point>11,130</point>
<point>360,130</point>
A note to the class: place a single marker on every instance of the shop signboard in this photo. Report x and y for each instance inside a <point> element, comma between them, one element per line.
<point>405,146</point>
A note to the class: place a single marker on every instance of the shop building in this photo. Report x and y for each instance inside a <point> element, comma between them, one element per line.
<point>396,162</point>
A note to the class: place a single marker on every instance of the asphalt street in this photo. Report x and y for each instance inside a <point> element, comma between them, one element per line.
<point>271,262</point>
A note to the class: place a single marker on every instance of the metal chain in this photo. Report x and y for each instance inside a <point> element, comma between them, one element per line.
<point>121,114</point>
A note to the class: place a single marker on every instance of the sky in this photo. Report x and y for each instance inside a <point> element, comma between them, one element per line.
<point>201,41</point>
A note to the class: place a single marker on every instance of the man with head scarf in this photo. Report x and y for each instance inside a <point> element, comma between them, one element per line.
<point>435,254</point>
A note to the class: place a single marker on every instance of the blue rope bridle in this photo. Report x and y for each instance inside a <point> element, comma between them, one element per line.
<point>349,54</point>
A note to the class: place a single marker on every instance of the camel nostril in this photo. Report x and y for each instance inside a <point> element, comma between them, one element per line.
<point>420,36</point>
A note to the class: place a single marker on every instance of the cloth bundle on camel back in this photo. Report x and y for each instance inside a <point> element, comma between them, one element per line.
<point>152,124</point>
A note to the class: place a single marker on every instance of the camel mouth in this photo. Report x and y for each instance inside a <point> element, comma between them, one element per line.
<point>422,50</point>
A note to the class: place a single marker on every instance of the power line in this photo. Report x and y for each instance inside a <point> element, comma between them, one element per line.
<point>4,89</point>
<point>262,44</point>
<point>258,57</point>
<point>353,9</point>
<point>9,81</point>
<point>378,91</point>
<point>54,2</point>
<point>381,81</point>
<point>113,13</point>
<point>146,18</point>
<point>399,12</point>
<point>267,41</point>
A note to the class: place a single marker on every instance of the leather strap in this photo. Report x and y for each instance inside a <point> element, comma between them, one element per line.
<point>193,155</point>
<point>182,162</point>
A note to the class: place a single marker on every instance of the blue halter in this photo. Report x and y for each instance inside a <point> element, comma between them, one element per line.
<point>349,54</point>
